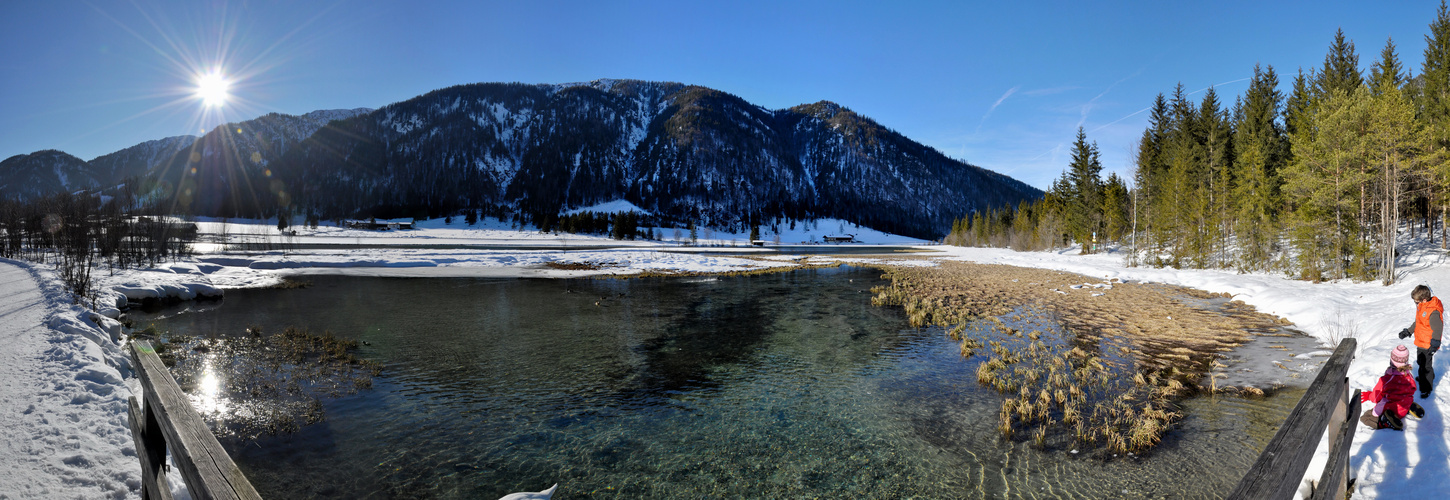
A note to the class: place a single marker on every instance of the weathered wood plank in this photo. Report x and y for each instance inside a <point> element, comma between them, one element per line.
<point>1335,481</point>
<point>1278,471</point>
<point>153,458</point>
<point>195,451</point>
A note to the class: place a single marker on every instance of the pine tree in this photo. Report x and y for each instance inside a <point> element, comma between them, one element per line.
<point>1398,142</point>
<point>1326,180</point>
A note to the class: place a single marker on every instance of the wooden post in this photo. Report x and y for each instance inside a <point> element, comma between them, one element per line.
<point>1280,468</point>
<point>208,470</point>
<point>1334,483</point>
<point>151,448</point>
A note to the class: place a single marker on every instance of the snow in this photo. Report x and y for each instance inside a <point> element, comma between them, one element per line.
<point>64,378</point>
<point>62,395</point>
<point>608,207</point>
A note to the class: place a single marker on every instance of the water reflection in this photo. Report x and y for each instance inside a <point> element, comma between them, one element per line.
<point>208,398</point>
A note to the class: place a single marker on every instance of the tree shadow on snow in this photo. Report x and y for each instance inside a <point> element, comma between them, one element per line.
<point>1432,472</point>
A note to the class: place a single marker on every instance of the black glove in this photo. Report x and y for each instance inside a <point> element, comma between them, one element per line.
<point>1404,334</point>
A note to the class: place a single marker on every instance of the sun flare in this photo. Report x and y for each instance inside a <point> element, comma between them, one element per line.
<point>211,88</point>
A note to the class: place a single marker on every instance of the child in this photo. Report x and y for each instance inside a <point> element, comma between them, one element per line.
<point>1394,395</point>
<point>1429,320</point>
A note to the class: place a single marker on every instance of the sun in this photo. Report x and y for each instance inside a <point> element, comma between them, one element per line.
<point>211,88</point>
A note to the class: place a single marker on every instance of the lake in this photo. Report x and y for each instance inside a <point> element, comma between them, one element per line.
<point>770,386</point>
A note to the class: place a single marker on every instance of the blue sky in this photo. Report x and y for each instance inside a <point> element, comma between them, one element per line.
<point>1002,85</point>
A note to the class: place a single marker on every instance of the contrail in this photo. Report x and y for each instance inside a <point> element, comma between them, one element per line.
<point>994,106</point>
<point>1139,112</point>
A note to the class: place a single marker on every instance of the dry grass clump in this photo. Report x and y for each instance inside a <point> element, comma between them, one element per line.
<point>573,266</point>
<point>272,384</point>
<point>1109,379</point>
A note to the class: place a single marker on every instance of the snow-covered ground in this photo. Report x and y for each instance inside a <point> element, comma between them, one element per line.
<point>63,377</point>
<point>62,395</point>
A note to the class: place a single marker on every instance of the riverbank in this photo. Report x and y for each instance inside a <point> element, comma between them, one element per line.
<point>1386,462</point>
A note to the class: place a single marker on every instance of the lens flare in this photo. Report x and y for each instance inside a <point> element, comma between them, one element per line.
<point>211,88</point>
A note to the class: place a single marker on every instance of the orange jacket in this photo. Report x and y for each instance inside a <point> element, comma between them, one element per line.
<point>1427,334</point>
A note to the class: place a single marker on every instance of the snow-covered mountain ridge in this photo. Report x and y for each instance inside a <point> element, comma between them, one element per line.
<point>47,172</point>
<point>685,152</point>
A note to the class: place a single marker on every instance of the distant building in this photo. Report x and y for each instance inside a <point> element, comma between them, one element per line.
<point>379,225</point>
<point>845,238</point>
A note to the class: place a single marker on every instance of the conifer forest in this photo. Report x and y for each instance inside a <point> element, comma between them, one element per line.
<point>1314,175</point>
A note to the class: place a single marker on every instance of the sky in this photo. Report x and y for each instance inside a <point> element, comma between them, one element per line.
<point>1001,85</point>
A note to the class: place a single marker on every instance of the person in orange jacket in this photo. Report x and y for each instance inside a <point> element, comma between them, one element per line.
<point>1394,394</point>
<point>1429,321</point>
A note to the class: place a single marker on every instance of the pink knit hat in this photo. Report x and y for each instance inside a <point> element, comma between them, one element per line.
<point>1400,357</point>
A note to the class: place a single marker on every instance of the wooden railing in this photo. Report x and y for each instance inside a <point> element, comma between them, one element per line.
<point>1281,467</point>
<point>169,422</point>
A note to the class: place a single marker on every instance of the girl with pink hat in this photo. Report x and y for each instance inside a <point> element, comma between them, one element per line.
<point>1394,395</point>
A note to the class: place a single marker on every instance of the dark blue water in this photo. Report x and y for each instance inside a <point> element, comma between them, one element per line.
<point>774,386</point>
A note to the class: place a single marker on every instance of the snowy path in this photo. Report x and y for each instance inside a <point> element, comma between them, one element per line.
<point>66,434</point>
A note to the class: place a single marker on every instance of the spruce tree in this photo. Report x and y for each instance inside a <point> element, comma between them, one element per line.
<point>1300,104</point>
<point>1435,107</point>
<point>1148,177</point>
<point>1084,211</point>
<point>1341,68</point>
<point>1260,145</point>
<point>1388,74</point>
<point>1116,223</point>
<point>1183,157</point>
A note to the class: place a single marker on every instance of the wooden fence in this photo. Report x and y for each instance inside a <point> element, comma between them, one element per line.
<point>1326,406</point>
<point>169,422</point>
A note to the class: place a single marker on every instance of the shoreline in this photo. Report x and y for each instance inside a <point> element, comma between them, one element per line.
<point>1325,311</point>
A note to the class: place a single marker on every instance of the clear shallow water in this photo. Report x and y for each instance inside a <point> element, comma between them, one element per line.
<point>772,386</point>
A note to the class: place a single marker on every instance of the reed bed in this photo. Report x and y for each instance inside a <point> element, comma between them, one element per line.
<point>1081,362</point>
<point>266,384</point>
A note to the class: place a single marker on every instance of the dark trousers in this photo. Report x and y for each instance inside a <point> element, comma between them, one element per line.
<point>1426,359</point>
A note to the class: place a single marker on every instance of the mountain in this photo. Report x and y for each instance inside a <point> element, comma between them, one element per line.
<point>137,160</point>
<point>687,153</point>
<point>230,165</point>
<point>43,173</point>
<point>258,142</point>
